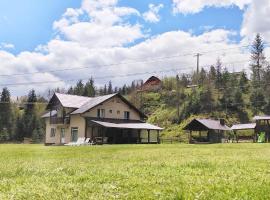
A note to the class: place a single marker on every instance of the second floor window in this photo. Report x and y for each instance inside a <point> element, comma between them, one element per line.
<point>101,113</point>
<point>126,115</point>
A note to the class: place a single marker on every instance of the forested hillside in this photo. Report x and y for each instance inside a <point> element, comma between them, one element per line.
<point>213,92</point>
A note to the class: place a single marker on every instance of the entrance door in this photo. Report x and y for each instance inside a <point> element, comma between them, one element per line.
<point>63,136</point>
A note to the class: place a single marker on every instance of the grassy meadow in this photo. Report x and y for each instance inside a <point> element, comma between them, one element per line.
<point>178,171</point>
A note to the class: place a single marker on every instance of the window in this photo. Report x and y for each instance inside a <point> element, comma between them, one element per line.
<point>126,115</point>
<point>111,111</point>
<point>53,130</point>
<point>74,134</point>
<point>101,113</point>
<point>118,112</point>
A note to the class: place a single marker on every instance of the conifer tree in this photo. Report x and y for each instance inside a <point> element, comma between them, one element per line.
<point>5,113</point>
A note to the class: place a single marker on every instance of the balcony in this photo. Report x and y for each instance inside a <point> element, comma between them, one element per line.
<point>59,120</point>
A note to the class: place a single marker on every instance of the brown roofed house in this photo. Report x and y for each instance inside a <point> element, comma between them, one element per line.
<point>152,84</point>
<point>110,118</point>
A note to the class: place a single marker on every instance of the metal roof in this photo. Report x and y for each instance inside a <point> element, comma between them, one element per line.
<point>54,112</point>
<point>261,118</point>
<point>206,123</point>
<point>72,101</point>
<point>243,126</point>
<point>143,126</point>
<point>92,102</point>
<point>213,124</point>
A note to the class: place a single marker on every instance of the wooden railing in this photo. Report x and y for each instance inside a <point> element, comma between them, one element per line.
<point>59,120</point>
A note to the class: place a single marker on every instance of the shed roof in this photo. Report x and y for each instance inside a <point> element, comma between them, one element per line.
<point>143,126</point>
<point>243,126</point>
<point>261,118</point>
<point>206,124</point>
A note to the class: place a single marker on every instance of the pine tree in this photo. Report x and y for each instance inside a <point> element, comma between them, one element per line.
<point>79,88</point>
<point>110,88</point>
<point>5,112</point>
<point>105,90</point>
<point>257,60</point>
<point>243,83</point>
<point>30,117</point>
<point>89,89</point>
<point>218,80</point>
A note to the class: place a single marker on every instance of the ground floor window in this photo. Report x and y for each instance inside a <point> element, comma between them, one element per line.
<point>74,134</point>
<point>63,135</point>
<point>53,131</point>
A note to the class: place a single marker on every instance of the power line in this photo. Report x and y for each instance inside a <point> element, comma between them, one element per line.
<point>157,59</point>
<point>106,77</point>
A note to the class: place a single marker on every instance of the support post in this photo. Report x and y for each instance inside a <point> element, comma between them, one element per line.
<point>102,129</point>
<point>92,133</point>
<point>148,136</point>
<point>139,137</point>
<point>158,139</point>
<point>189,138</point>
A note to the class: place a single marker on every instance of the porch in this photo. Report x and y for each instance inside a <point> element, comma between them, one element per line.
<point>117,132</point>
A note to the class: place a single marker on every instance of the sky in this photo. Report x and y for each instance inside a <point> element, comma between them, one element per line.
<point>49,44</point>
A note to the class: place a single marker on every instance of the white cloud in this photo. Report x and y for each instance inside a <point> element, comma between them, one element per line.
<point>195,6</point>
<point>256,20</point>
<point>86,38</point>
<point>5,45</point>
<point>106,26</point>
<point>152,14</point>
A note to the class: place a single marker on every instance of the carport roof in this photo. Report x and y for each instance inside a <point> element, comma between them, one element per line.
<point>244,126</point>
<point>142,126</point>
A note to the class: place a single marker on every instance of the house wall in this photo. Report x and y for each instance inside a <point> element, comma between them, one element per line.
<point>48,138</point>
<point>78,121</point>
<point>115,104</point>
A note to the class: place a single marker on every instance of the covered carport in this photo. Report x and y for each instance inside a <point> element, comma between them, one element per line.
<point>125,133</point>
<point>214,130</point>
<point>243,127</point>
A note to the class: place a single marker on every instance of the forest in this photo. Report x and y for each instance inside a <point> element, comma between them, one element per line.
<point>213,92</point>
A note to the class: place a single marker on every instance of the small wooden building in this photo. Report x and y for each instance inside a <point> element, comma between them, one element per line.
<point>210,131</point>
<point>261,125</point>
<point>152,84</point>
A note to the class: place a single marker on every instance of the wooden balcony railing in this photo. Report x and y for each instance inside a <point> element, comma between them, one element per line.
<point>59,120</point>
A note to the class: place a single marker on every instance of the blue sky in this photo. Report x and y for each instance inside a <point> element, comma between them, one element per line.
<point>40,37</point>
<point>29,23</point>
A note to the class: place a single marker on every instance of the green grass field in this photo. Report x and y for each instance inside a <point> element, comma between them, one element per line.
<point>178,171</point>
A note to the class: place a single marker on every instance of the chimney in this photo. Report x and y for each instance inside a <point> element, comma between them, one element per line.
<point>222,122</point>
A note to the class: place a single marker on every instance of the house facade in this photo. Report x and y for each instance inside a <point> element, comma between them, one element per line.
<point>110,118</point>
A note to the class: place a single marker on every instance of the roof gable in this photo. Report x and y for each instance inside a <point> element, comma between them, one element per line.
<point>69,101</point>
<point>93,103</point>
<point>84,104</point>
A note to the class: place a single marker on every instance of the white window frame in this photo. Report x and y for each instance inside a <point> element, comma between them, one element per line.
<point>126,115</point>
<point>72,132</point>
<point>101,113</point>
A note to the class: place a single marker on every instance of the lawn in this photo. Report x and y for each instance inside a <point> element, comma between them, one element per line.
<point>178,171</point>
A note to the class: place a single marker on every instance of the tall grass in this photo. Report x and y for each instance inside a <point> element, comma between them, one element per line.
<point>178,171</point>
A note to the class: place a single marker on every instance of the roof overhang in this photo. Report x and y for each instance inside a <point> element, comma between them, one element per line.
<point>243,126</point>
<point>141,126</point>
<point>256,118</point>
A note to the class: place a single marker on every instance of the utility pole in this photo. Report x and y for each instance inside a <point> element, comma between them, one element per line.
<point>198,61</point>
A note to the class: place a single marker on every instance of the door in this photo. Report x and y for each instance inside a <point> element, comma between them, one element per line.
<point>63,136</point>
<point>74,134</point>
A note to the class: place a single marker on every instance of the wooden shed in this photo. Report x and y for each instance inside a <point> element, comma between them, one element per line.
<point>210,131</point>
